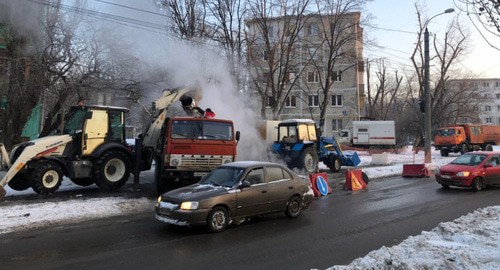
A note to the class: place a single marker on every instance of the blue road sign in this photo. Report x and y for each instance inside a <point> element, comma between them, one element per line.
<point>322,185</point>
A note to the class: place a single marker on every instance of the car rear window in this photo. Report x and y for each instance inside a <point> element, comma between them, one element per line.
<point>276,174</point>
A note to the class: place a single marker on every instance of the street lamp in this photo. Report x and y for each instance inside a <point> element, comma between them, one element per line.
<point>428,101</point>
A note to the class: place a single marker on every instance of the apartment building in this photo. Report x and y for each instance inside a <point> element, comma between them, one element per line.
<point>308,70</point>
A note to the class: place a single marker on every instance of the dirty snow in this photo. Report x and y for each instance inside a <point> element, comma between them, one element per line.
<point>469,242</point>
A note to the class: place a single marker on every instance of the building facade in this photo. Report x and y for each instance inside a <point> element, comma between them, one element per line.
<point>312,65</point>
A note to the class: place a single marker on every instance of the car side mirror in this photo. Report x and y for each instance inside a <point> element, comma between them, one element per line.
<point>244,184</point>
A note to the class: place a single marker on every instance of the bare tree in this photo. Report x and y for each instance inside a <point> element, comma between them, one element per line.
<point>339,49</point>
<point>381,104</point>
<point>188,17</point>
<point>485,16</point>
<point>273,50</point>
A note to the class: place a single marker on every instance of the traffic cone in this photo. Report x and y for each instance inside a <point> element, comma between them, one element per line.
<point>354,180</point>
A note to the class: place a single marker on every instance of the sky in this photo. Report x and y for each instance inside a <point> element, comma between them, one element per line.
<point>447,246</point>
<point>396,26</point>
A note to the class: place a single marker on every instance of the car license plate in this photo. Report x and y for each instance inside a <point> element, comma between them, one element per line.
<point>200,174</point>
<point>445,176</point>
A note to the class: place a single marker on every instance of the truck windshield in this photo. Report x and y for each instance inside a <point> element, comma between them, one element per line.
<point>74,124</point>
<point>446,132</point>
<point>469,159</point>
<point>223,176</point>
<point>201,130</point>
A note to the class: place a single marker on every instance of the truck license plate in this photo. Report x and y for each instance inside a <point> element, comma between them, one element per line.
<point>200,174</point>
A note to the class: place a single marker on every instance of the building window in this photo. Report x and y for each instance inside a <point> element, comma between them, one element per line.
<point>475,108</point>
<point>336,100</point>
<point>498,96</point>
<point>265,55</point>
<point>270,30</point>
<point>497,84</point>
<point>312,77</point>
<point>289,77</point>
<point>336,124</point>
<point>313,100</point>
<point>312,30</point>
<point>337,76</point>
<point>488,120</point>
<point>291,102</point>
<point>270,100</point>
<point>290,30</point>
<point>499,120</point>
<point>487,108</point>
<point>486,84</point>
<point>265,77</point>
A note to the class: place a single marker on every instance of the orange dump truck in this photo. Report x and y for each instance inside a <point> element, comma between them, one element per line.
<point>466,137</point>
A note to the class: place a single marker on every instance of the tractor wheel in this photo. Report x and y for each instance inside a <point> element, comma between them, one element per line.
<point>309,160</point>
<point>46,177</point>
<point>83,181</point>
<point>444,153</point>
<point>19,182</point>
<point>335,164</point>
<point>111,170</point>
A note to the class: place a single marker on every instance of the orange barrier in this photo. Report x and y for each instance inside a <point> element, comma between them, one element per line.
<point>355,180</point>
<point>415,170</point>
<point>319,183</point>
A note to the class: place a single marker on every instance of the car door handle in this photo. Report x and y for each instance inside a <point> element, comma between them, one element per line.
<point>290,187</point>
<point>263,191</point>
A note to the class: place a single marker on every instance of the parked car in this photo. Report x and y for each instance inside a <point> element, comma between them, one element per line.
<point>474,169</point>
<point>233,192</point>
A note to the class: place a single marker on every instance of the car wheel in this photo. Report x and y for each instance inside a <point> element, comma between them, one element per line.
<point>46,177</point>
<point>217,219</point>
<point>293,207</point>
<point>19,182</point>
<point>335,164</point>
<point>111,170</point>
<point>477,184</point>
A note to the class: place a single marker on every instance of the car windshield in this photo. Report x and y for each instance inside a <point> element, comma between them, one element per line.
<point>469,159</point>
<point>223,176</point>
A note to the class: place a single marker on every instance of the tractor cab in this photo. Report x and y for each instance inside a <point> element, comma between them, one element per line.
<point>297,131</point>
<point>92,126</point>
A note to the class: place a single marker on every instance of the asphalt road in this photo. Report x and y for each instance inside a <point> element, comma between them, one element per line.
<point>335,230</point>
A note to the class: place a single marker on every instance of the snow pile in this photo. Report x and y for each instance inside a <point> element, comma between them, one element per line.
<point>35,215</point>
<point>469,242</point>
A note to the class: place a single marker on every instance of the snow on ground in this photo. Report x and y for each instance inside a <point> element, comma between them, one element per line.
<point>469,242</point>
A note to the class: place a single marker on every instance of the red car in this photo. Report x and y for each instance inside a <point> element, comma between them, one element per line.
<point>475,169</point>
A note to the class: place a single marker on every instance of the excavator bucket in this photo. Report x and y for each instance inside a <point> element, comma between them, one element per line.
<point>351,159</point>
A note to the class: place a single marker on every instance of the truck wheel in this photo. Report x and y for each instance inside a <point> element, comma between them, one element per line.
<point>309,160</point>
<point>111,170</point>
<point>19,182</point>
<point>335,164</point>
<point>464,148</point>
<point>83,181</point>
<point>162,183</point>
<point>46,177</point>
<point>444,153</point>
<point>488,147</point>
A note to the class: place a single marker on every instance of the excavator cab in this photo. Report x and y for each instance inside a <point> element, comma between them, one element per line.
<point>92,126</point>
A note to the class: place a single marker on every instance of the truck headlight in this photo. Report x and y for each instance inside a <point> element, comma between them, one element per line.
<point>463,174</point>
<point>189,205</point>
<point>175,162</point>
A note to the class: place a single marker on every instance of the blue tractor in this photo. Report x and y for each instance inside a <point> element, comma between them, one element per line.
<point>300,147</point>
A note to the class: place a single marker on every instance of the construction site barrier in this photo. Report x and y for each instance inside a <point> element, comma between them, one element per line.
<point>355,180</point>
<point>319,183</point>
<point>415,170</point>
